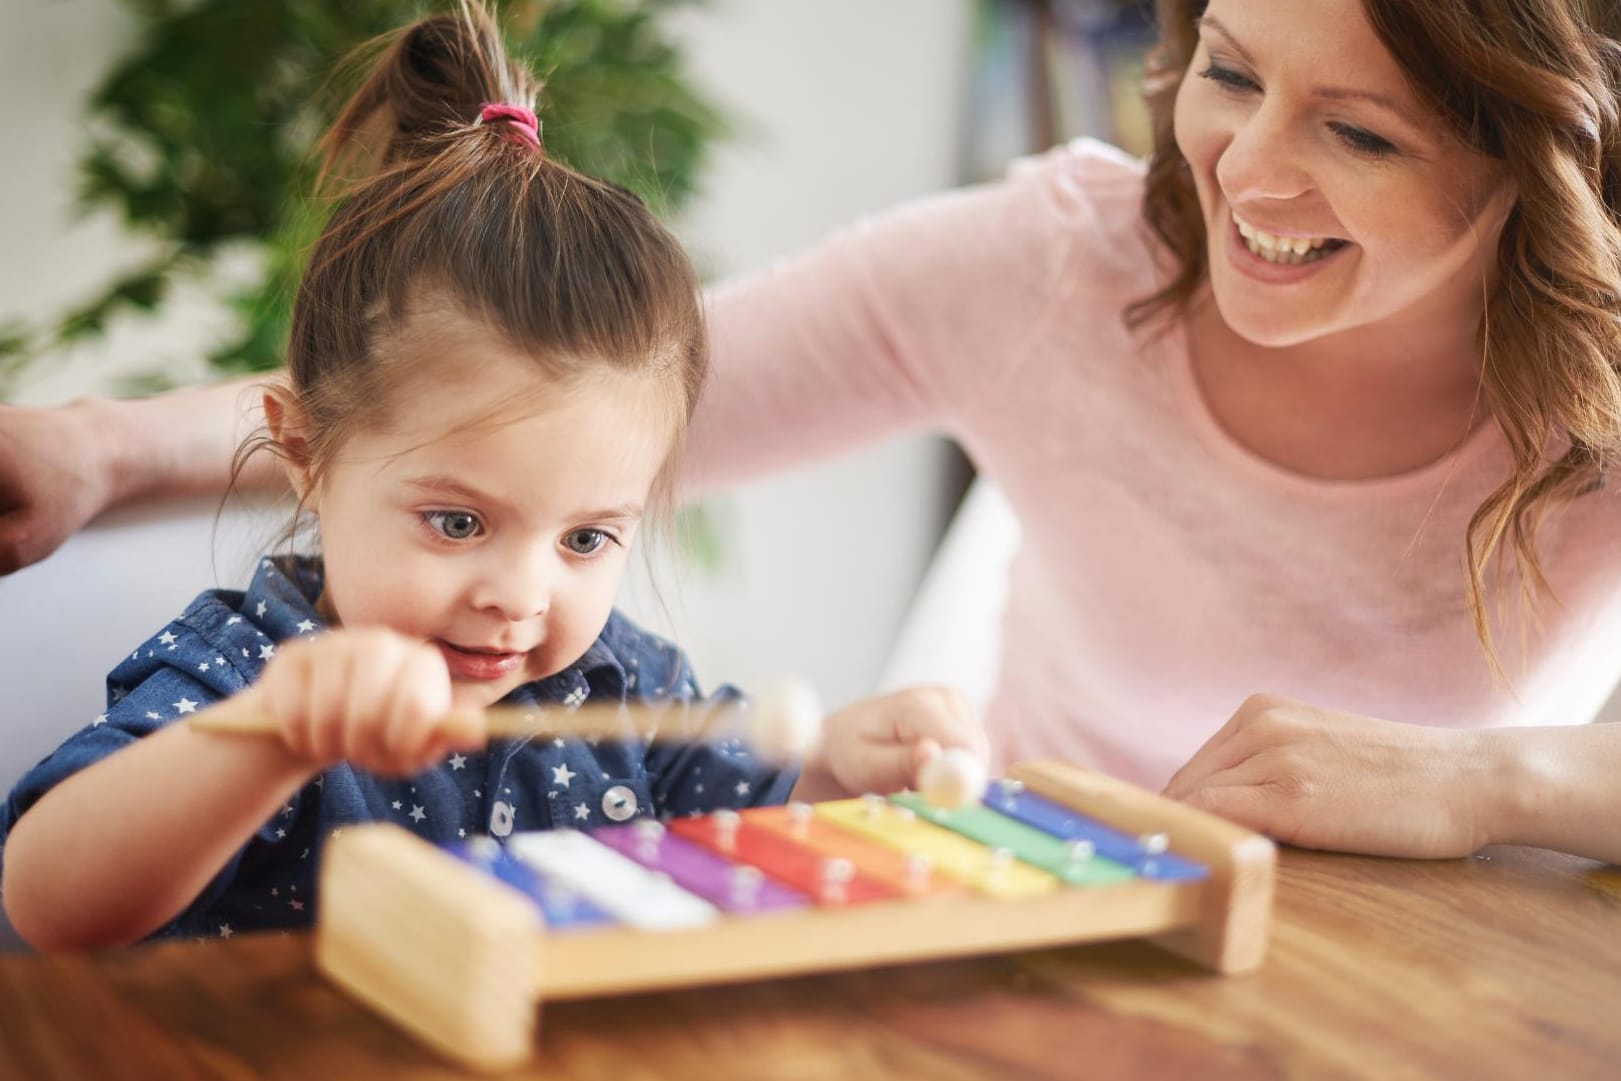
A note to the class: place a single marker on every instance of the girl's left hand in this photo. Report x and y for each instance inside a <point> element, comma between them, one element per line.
<point>879,744</point>
<point>1320,778</point>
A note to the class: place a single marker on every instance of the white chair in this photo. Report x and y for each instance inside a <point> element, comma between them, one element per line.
<point>66,622</point>
<point>952,633</point>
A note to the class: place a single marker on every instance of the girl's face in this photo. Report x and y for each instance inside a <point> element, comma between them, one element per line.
<point>492,515</point>
<point>1332,199</point>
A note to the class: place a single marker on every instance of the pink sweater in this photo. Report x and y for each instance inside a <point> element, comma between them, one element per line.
<point>1167,573</point>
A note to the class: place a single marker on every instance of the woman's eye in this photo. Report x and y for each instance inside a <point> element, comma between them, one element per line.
<point>1227,78</point>
<point>454,524</point>
<point>1363,142</point>
<point>584,542</point>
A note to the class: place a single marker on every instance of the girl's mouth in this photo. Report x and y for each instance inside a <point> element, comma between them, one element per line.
<point>468,663</point>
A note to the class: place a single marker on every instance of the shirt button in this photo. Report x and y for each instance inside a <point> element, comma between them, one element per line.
<point>501,818</point>
<point>619,803</point>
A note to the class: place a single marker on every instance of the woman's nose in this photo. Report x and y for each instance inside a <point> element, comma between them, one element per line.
<point>1263,161</point>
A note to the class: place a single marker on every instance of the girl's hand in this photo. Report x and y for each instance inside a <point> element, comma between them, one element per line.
<point>1324,779</point>
<point>366,696</point>
<point>879,744</point>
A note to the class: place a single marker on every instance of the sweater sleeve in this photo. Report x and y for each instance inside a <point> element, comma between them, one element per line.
<point>909,320</point>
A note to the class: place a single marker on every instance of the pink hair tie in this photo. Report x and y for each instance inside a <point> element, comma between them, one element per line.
<point>525,128</point>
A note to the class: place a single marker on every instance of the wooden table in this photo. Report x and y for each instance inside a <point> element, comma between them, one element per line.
<point>1506,965</point>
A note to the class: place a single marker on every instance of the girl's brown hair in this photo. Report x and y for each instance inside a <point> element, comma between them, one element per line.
<point>1535,84</point>
<point>439,206</point>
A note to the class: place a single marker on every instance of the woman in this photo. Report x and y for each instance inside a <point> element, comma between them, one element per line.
<point>1330,427</point>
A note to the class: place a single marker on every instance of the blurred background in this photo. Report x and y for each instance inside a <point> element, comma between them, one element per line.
<point>144,226</point>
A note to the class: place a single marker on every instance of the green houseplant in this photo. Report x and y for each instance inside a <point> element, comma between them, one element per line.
<point>200,141</point>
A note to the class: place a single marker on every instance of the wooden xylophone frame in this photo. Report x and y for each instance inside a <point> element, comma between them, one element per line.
<point>462,960</point>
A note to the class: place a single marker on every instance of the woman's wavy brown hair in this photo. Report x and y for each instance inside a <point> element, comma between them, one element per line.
<point>1536,85</point>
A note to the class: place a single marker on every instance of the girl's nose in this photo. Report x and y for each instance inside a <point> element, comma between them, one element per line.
<point>518,589</point>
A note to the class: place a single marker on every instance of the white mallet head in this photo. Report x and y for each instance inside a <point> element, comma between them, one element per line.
<point>785,719</point>
<point>953,778</point>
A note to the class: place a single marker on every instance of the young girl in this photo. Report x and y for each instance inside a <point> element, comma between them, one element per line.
<point>1292,416</point>
<point>493,362</point>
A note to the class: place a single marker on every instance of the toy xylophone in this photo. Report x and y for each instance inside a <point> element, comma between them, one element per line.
<point>459,944</point>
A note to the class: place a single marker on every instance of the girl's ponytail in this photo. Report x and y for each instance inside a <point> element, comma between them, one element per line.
<point>429,80</point>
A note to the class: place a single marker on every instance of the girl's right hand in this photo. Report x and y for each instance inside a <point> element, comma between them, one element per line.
<point>367,696</point>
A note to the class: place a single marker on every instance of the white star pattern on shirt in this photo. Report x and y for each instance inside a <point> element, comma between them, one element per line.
<point>225,930</point>
<point>557,741</point>
<point>417,813</point>
<point>260,610</point>
<point>458,761</point>
<point>305,626</point>
<point>575,697</point>
<point>185,705</point>
<point>120,692</point>
<point>281,835</point>
<point>582,812</point>
<point>101,719</point>
<point>742,788</point>
<point>233,619</point>
<point>296,905</point>
<point>562,775</point>
<point>202,666</point>
<point>167,638</point>
<point>267,652</point>
<point>151,716</point>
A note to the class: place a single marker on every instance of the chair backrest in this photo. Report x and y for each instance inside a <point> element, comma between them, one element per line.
<point>952,633</point>
<point>66,621</point>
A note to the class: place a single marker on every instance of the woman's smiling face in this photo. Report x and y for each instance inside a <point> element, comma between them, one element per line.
<point>1332,198</point>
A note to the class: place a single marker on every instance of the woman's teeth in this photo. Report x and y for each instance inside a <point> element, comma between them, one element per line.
<point>1289,250</point>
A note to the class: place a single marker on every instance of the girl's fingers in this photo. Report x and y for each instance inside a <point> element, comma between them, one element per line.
<point>421,700</point>
<point>374,683</point>
<point>884,767</point>
<point>284,685</point>
<point>324,701</point>
<point>925,751</point>
<point>941,715</point>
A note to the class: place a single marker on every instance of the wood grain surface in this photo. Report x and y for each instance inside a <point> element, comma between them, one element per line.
<point>1505,965</point>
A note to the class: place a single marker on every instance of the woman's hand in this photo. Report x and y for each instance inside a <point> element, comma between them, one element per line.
<point>367,696</point>
<point>1320,778</point>
<point>52,481</point>
<point>880,744</point>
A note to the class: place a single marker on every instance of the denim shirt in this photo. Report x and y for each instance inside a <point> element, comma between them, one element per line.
<point>220,645</point>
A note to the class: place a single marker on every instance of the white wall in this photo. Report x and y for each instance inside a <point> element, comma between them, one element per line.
<point>850,106</point>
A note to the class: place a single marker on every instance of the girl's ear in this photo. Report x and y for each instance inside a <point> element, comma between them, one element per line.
<point>289,428</point>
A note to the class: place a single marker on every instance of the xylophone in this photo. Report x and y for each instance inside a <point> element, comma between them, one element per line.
<point>459,944</point>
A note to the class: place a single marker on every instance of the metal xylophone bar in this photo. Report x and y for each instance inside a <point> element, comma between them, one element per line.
<point>458,948</point>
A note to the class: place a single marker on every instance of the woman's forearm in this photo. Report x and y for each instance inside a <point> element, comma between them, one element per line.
<point>1559,788</point>
<point>119,849</point>
<point>186,440</point>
